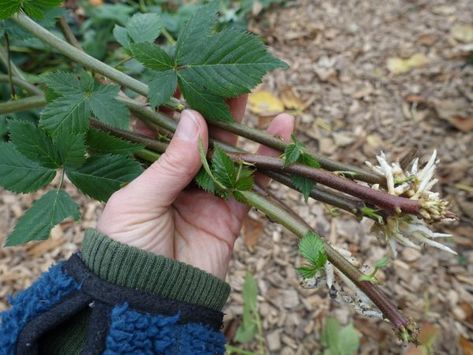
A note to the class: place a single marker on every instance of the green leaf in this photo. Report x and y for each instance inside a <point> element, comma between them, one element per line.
<point>63,83</point>
<point>152,56</point>
<point>303,185</point>
<point>101,176</point>
<point>196,27</point>
<point>144,27</point>
<point>308,160</point>
<point>9,7</point>
<point>223,168</point>
<point>36,8</point>
<point>3,127</point>
<point>107,109</point>
<point>36,224</point>
<point>230,63</point>
<point>121,35</point>
<point>66,114</point>
<point>312,249</point>
<point>307,271</point>
<point>101,142</point>
<point>19,174</point>
<point>71,149</point>
<point>339,340</point>
<point>381,263</point>
<point>33,8</point>
<point>211,106</point>
<point>162,87</point>
<point>293,151</point>
<point>33,143</point>
<point>205,182</point>
<point>248,328</point>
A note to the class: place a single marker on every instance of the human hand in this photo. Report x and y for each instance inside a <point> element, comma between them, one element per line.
<point>156,212</point>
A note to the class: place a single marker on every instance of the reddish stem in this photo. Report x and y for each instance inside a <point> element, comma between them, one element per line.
<point>383,200</point>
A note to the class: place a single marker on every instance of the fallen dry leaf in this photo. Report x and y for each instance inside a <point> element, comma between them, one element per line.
<point>457,112</point>
<point>265,103</point>
<point>466,346</point>
<point>398,65</point>
<point>252,231</point>
<point>462,33</point>
<point>291,101</point>
<point>427,335</point>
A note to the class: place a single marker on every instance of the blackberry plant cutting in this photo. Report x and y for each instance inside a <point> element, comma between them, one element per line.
<point>83,133</point>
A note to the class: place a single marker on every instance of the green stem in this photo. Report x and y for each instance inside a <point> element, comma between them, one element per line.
<point>83,58</point>
<point>21,84</point>
<point>279,215</point>
<point>9,66</point>
<point>14,69</point>
<point>67,32</point>
<point>168,36</point>
<point>147,155</point>
<point>25,104</point>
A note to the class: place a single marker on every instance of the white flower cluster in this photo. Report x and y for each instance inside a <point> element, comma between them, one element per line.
<point>415,184</point>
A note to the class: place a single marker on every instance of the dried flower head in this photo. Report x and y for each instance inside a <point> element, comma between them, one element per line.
<point>415,184</point>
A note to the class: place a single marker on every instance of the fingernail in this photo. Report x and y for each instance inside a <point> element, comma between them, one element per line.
<point>188,128</point>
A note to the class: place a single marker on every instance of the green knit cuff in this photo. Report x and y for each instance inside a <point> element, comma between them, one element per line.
<point>131,267</point>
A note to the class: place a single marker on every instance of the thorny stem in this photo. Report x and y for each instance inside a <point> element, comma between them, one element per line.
<point>279,215</point>
<point>141,88</point>
<point>388,202</point>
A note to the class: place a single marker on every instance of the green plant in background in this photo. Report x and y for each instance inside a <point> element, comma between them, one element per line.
<point>339,340</point>
<point>378,265</point>
<point>250,327</point>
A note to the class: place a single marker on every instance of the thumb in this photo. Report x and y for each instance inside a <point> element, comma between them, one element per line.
<point>161,183</point>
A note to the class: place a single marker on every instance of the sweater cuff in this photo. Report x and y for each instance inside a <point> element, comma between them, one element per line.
<point>131,267</point>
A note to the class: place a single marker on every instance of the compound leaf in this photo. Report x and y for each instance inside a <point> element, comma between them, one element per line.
<point>101,142</point>
<point>33,143</point>
<point>71,149</point>
<point>33,8</point>
<point>102,175</point>
<point>36,224</point>
<point>19,174</point>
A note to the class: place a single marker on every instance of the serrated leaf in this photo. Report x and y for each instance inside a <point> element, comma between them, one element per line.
<point>152,56</point>
<point>71,149</point>
<point>230,63</point>
<point>308,160</point>
<point>292,154</point>
<point>307,272</point>
<point>66,114</point>
<point>101,142</point>
<point>107,109</point>
<point>211,106</point>
<point>36,224</point>
<point>199,24</point>
<point>121,35</point>
<point>36,8</point>
<point>33,143</point>
<point>9,7</point>
<point>144,27</point>
<point>245,180</point>
<point>303,185</point>
<point>205,182</point>
<point>19,174</point>
<point>223,168</point>
<point>101,176</point>
<point>162,87</point>
<point>312,249</point>
<point>63,83</point>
